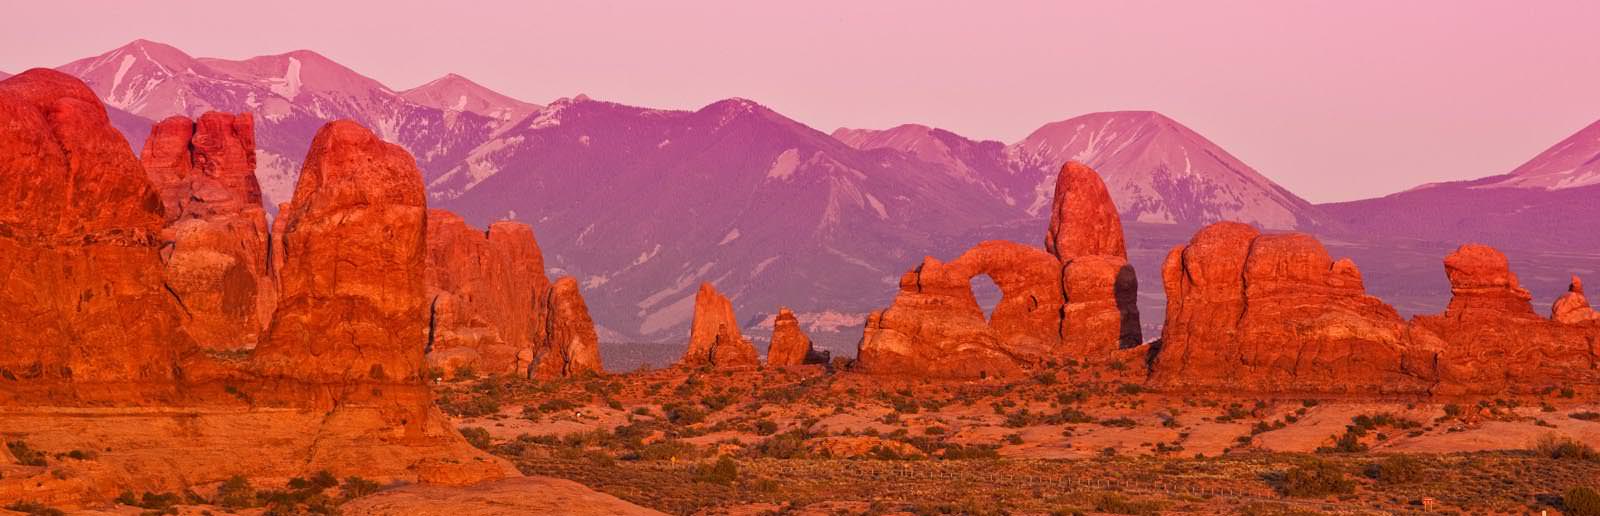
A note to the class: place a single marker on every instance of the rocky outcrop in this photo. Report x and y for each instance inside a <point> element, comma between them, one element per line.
<point>936,328</point>
<point>790,345</point>
<point>570,345</point>
<point>1101,312</point>
<point>492,307</point>
<point>1573,307</point>
<point>216,236</point>
<point>1248,312</point>
<point>1083,219</point>
<point>1076,301</point>
<point>714,339</point>
<point>1490,340</point>
<point>486,292</point>
<point>1483,286</point>
<point>86,317</point>
<point>354,303</point>
<point>93,355</point>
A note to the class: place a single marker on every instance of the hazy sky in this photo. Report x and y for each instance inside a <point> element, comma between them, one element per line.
<point>1335,100</point>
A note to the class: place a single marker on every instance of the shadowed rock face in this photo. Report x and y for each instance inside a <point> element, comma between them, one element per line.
<point>86,317</point>
<point>1490,340</point>
<point>714,338</point>
<point>790,345</point>
<point>216,236</point>
<point>1274,313</point>
<point>1075,302</point>
<point>354,303</point>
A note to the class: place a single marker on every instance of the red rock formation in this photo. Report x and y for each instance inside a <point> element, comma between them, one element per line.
<point>1573,307</point>
<point>354,304</point>
<point>1489,339</point>
<point>1083,220</point>
<point>570,344</point>
<point>936,328</point>
<point>1482,285</point>
<point>790,345</point>
<point>714,338</point>
<point>216,233</point>
<point>1274,313</point>
<point>85,315</point>
<point>486,291</point>
<point>1101,313</point>
<point>1077,301</point>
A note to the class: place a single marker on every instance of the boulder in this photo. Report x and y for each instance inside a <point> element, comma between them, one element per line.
<point>216,235</point>
<point>86,316</point>
<point>714,338</point>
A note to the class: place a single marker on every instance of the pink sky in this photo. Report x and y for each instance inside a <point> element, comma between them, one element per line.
<point>1334,100</point>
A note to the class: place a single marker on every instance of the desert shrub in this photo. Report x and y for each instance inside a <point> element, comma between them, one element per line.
<point>236,493</point>
<point>1397,469</point>
<point>665,450</point>
<point>302,496</point>
<point>1349,442</point>
<point>1121,422</point>
<point>680,414</point>
<point>717,402</point>
<point>1072,397</point>
<point>34,509</point>
<point>766,427</point>
<point>1117,504</point>
<point>724,471</point>
<point>787,445</point>
<point>466,372</point>
<point>1585,416</point>
<point>478,437</point>
<point>1316,478</point>
<point>1581,501</point>
<point>1018,419</point>
<point>1130,388</point>
<point>1014,439</point>
<point>1563,447</point>
<point>25,455</point>
<point>357,487</point>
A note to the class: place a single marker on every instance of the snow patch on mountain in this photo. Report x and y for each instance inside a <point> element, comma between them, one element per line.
<point>785,165</point>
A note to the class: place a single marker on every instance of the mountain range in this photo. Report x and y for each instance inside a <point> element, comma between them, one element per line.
<point>641,205</point>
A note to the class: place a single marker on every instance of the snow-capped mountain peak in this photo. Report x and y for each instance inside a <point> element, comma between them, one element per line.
<point>454,93</point>
<point>1571,163</point>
